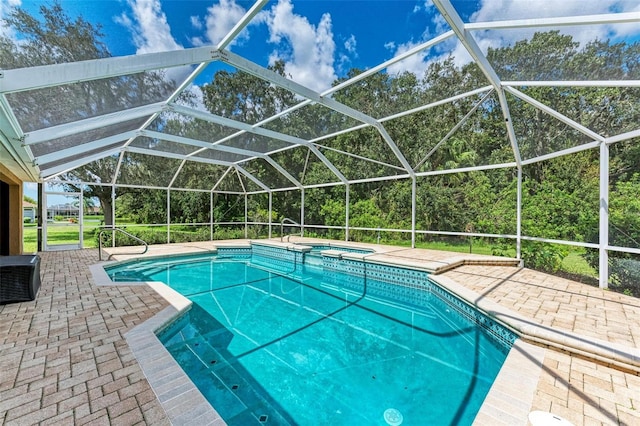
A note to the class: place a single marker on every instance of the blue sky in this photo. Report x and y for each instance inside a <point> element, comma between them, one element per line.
<point>320,40</point>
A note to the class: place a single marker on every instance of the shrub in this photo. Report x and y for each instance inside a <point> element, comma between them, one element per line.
<point>624,275</point>
<point>536,255</point>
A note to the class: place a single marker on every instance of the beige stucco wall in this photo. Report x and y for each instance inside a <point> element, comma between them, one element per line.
<point>15,210</point>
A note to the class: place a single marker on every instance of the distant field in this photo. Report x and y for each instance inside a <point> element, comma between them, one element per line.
<point>66,233</point>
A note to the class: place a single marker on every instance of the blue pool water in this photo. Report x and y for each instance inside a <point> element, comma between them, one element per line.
<point>311,348</point>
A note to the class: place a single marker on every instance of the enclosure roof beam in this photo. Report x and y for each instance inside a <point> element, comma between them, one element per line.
<point>173,96</point>
<point>252,178</point>
<point>241,24</point>
<point>175,175</point>
<point>176,156</point>
<point>226,172</point>
<point>566,120</point>
<point>212,118</point>
<point>74,151</point>
<point>328,163</point>
<point>151,152</point>
<point>611,18</point>
<point>623,137</point>
<point>407,112</point>
<point>573,83</point>
<point>453,130</point>
<point>450,14</point>
<point>275,78</point>
<point>202,115</point>
<point>21,79</point>
<point>282,171</point>
<point>67,167</point>
<point>360,157</point>
<point>10,118</point>
<point>92,123</point>
<point>398,58</point>
<point>568,151</point>
<point>11,139</point>
<point>465,95</point>
<point>198,143</point>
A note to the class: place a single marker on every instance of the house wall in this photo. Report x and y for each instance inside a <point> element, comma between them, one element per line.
<point>10,213</point>
<point>28,212</point>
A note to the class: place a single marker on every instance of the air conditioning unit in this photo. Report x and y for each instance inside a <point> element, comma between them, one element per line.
<point>19,278</point>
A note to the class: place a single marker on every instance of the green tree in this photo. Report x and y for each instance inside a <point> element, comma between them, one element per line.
<point>55,38</point>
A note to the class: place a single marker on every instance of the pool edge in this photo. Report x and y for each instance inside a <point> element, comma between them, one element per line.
<point>181,400</point>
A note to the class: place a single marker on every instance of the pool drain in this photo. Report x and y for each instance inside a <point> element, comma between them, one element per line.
<point>393,417</point>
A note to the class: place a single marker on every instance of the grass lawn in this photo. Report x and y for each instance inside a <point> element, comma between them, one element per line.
<point>573,263</point>
<point>61,233</point>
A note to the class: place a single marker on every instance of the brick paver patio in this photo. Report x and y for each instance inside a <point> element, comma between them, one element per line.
<point>64,358</point>
<point>578,389</point>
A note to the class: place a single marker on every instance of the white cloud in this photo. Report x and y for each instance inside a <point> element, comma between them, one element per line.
<point>151,32</point>
<point>149,27</point>
<point>308,49</point>
<point>496,10</point>
<point>6,6</point>
<point>196,22</point>
<point>350,45</point>
<point>221,18</point>
<point>416,64</point>
<point>419,62</point>
<point>344,59</point>
<point>493,10</point>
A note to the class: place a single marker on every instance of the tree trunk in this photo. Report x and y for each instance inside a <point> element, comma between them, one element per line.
<point>105,203</point>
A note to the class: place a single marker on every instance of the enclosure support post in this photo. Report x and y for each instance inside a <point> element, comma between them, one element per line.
<point>42,212</point>
<point>168,216</point>
<point>603,270</point>
<point>519,215</point>
<point>270,212</point>
<point>414,190</point>
<point>113,214</point>
<point>81,219</point>
<point>246,216</point>
<point>302,212</point>
<point>211,216</point>
<point>346,209</point>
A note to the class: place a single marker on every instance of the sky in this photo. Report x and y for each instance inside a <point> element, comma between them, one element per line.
<point>321,40</point>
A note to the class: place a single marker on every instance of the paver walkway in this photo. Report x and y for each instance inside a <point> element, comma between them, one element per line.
<point>581,391</point>
<point>64,359</point>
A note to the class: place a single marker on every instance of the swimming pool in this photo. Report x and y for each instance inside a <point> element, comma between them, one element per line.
<point>320,345</point>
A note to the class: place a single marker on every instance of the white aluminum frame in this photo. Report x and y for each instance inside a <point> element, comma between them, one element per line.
<point>49,166</point>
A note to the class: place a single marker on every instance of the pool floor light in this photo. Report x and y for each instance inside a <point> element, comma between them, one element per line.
<point>393,417</point>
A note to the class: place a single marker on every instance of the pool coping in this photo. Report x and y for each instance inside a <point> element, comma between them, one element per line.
<point>181,400</point>
<point>600,351</point>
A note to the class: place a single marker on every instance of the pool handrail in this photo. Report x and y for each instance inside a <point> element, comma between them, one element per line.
<point>290,222</point>
<point>114,229</point>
